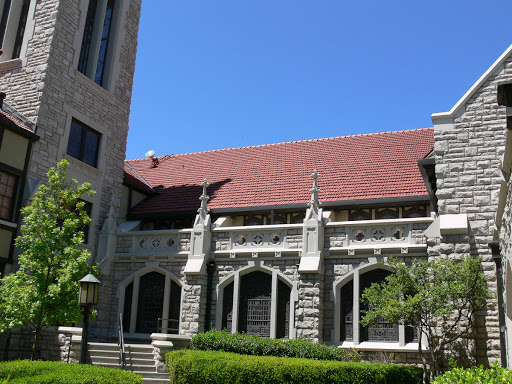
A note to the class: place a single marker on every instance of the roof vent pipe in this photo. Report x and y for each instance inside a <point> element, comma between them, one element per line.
<point>2,97</point>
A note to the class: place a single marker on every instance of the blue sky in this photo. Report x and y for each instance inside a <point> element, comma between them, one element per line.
<point>231,73</point>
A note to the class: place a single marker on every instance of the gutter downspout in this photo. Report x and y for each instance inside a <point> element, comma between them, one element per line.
<point>496,256</point>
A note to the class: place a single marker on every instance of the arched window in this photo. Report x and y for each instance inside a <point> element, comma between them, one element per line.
<point>261,306</point>
<point>154,307</point>
<point>382,331</point>
<point>350,311</point>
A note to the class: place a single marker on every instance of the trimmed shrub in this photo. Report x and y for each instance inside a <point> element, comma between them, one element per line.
<point>56,372</point>
<point>209,367</point>
<point>476,375</point>
<point>261,346</point>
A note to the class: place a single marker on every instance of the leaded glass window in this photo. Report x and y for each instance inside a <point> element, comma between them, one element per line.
<point>382,331</point>
<point>150,303</point>
<point>255,304</point>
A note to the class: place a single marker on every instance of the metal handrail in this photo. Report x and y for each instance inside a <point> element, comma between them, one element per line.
<point>168,329</point>
<point>120,342</point>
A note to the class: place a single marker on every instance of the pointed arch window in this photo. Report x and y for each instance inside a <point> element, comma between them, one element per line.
<point>152,303</point>
<point>257,303</point>
<point>350,310</point>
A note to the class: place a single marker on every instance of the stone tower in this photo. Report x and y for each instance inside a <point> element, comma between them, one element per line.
<point>68,66</point>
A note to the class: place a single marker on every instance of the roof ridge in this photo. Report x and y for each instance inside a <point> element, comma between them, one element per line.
<point>285,142</point>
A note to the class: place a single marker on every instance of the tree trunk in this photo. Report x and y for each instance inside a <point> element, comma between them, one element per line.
<point>423,360</point>
<point>37,336</point>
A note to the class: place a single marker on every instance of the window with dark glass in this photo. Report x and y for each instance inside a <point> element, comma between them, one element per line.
<point>87,38</point>
<point>84,143</point>
<point>382,331</point>
<point>12,27</point>
<point>20,32</point>
<point>96,37</point>
<point>105,34</point>
<point>3,20</point>
<point>7,190</point>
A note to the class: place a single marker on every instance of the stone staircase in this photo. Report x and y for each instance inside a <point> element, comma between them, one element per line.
<point>138,359</point>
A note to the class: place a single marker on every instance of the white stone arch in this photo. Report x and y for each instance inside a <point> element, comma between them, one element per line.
<point>135,279</point>
<point>234,278</point>
<point>336,287</point>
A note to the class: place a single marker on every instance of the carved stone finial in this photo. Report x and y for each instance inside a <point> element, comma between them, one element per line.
<point>204,198</point>
<point>314,191</point>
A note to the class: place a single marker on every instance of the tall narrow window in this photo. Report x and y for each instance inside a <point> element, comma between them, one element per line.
<point>87,38</point>
<point>173,319</point>
<point>105,34</point>
<point>20,32</point>
<point>96,40</point>
<point>347,312</point>
<point>13,24</point>
<point>227,308</point>
<point>3,20</point>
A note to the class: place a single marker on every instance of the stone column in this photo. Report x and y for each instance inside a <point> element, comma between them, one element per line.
<point>309,314</point>
<point>193,307</point>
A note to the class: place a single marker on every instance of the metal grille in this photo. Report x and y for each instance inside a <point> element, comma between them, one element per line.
<point>258,316</point>
<point>383,331</point>
<point>255,303</point>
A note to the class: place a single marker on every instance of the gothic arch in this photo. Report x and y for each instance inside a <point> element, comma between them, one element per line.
<point>134,279</point>
<point>277,278</point>
<point>353,277</point>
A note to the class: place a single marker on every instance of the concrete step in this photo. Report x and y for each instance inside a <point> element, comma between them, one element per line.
<point>153,375</point>
<point>138,355</point>
<point>135,367</point>
<point>103,346</point>
<point>103,352</point>
<point>156,381</point>
<point>138,359</point>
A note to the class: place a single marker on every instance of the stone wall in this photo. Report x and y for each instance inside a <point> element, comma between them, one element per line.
<point>47,89</point>
<point>57,343</point>
<point>467,155</point>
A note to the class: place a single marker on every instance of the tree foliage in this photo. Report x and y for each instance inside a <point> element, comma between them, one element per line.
<point>438,297</point>
<point>44,291</point>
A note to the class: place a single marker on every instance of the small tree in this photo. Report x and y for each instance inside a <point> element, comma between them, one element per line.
<point>437,297</point>
<point>44,291</point>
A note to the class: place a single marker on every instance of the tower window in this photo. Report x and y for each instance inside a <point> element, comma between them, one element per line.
<point>13,24</point>
<point>95,53</point>
<point>84,143</point>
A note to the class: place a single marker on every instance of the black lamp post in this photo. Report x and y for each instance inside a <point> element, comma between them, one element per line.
<point>88,297</point>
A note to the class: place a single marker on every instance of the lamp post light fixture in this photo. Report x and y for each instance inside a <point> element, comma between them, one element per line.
<point>88,297</point>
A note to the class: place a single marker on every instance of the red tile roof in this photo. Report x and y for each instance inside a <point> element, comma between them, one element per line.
<point>369,166</point>
<point>132,177</point>
<point>15,121</point>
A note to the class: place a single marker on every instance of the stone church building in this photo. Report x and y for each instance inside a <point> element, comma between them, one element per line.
<point>277,240</point>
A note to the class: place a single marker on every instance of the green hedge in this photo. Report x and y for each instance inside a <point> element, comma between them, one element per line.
<point>207,367</point>
<point>476,375</point>
<point>56,372</point>
<point>261,346</point>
